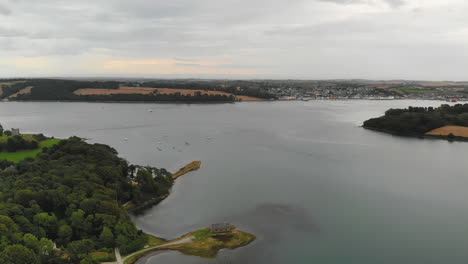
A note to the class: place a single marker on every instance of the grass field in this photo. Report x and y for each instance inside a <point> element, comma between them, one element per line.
<point>207,245</point>
<point>459,131</point>
<point>155,241</point>
<point>202,234</point>
<point>103,256</point>
<point>21,155</point>
<point>204,244</point>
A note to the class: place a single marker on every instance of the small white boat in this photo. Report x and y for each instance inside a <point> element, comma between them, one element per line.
<point>125,139</point>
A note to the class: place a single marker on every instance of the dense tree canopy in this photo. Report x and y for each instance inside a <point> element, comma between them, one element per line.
<point>72,195</point>
<point>416,121</point>
<point>53,89</point>
<point>17,143</point>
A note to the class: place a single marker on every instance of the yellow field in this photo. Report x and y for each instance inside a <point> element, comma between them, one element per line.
<point>444,131</point>
<point>435,84</point>
<point>26,90</point>
<point>8,83</point>
<point>194,165</point>
<point>148,90</point>
<point>142,90</point>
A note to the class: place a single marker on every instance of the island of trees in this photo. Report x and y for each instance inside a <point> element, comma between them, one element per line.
<point>423,121</point>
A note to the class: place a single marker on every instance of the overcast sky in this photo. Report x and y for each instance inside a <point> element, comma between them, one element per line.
<point>307,39</point>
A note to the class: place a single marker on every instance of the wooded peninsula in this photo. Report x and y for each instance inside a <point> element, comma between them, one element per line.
<point>446,122</point>
<point>64,205</point>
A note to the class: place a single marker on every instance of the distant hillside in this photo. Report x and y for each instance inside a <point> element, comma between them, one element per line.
<point>71,90</point>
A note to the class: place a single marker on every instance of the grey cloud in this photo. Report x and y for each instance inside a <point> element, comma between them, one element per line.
<point>392,3</point>
<point>343,1</point>
<point>334,29</point>
<point>296,38</point>
<point>395,3</point>
<point>4,10</point>
<point>8,33</point>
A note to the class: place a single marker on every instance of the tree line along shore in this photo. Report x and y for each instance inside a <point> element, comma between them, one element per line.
<point>444,122</point>
<point>151,91</point>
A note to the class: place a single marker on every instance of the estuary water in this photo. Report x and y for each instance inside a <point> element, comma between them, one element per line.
<point>302,176</point>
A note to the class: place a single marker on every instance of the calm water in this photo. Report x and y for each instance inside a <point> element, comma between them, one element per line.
<point>302,176</point>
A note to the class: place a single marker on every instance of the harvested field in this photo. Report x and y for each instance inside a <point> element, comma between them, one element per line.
<point>444,131</point>
<point>442,83</point>
<point>147,90</point>
<point>121,90</point>
<point>248,98</point>
<point>10,83</point>
<point>26,90</point>
<point>381,86</point>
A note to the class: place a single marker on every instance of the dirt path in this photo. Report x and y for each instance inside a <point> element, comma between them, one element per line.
<point>118,257</point>
<point>120,260</point>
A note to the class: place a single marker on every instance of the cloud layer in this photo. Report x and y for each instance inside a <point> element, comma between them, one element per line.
<point>309,39</point>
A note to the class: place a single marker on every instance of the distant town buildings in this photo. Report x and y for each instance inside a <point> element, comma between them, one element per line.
<point>349,89</point>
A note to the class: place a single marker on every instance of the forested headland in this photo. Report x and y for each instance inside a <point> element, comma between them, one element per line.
<point>69,90</point>
<point>65,205</point>
<point>417,121</point>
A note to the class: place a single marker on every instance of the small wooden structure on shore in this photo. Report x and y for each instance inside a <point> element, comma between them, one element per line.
<point>15,132</point>
<point>220,228</point>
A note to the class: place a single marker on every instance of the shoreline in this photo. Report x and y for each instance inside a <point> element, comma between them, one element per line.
<point>202,243</point>
<point>228,102</point>
<point>132,208</point>
<point>199,243</point>
<point>424,136</point>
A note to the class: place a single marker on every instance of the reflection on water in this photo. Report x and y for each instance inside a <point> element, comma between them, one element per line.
<point>270,220</point>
